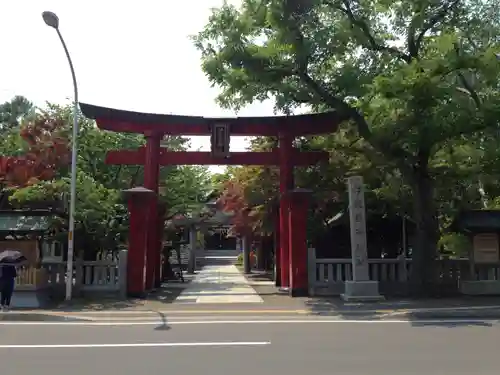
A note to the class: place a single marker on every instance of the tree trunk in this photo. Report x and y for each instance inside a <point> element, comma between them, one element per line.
<point>261,257</point>
<point>426,233</point>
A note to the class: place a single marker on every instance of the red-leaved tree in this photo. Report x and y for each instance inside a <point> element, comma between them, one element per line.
<point>47,151</point>
<point>233,200</point>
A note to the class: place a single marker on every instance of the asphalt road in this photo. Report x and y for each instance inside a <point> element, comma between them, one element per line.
<point>361,348</point>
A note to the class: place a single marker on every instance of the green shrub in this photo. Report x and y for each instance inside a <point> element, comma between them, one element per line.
<point>454,244</point>
<point>239,261</point>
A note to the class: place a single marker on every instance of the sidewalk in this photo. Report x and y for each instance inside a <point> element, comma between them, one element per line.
<point>219,284</point>
<point>148,313</point>
<point>223,290</point>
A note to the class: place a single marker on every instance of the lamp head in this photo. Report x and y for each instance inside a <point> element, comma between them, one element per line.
<point>51,19</point>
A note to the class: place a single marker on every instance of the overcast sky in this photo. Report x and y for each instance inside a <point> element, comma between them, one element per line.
<point>132,55</point>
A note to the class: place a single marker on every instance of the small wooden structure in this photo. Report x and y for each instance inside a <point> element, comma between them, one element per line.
<point>388,236</point>
<point>195,228</point>
<point>30,232</point>
<point>483,229</point>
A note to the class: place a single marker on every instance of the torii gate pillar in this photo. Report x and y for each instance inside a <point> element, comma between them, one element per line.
<point>138,199</point>
<point>151,180</point>
<point>286,184</point>
<point>297,219</point>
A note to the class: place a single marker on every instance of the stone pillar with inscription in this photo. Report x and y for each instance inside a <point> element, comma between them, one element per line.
<point>360,288</point>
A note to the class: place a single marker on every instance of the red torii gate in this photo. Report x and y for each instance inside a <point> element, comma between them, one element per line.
<point>144,266</point>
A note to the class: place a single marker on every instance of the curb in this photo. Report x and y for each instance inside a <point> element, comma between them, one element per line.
<point>157,312</point>
<point>492,312</point>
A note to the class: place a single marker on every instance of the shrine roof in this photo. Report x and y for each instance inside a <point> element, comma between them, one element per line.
<point>218,218</point>
<point>18,221</point>
<point>477,221</point>
<point>137,122</point>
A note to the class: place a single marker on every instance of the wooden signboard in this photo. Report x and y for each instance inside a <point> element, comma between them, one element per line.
<point>486,249</point>
<point>29,248</point>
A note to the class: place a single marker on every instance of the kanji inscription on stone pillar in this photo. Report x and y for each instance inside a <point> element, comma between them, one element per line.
<point>357,218</point>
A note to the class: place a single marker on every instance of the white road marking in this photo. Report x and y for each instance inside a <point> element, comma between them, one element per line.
<point>137,345</point>
<point>277,321</point>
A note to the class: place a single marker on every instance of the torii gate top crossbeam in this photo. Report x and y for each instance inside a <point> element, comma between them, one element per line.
<point>136,122</point>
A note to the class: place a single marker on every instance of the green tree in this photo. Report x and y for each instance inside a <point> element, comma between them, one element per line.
<point>185,189</point>
<point>219,179</point>
<point>101,217</point>
<point>411,76</point>
<point>13,112</point>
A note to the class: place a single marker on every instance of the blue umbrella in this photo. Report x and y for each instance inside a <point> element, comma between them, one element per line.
<point>12,257</point>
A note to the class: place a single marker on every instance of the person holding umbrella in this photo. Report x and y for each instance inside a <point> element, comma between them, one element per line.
<point>9,260</point>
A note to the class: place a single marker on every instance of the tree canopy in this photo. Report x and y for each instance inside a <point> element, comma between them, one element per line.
<point>35,167</point>
<point>418,81</point>
<point>14,111</point>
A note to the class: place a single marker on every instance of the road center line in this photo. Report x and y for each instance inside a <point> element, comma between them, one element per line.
<point>138,345</point>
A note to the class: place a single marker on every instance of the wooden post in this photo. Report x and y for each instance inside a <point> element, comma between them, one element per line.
<point>122,273</point>
<point>246,254</point>
<point>261,261</point>
<point>193,243</point>
<point>159,246</point>
<point>311,270</point>
<point>78,274</point>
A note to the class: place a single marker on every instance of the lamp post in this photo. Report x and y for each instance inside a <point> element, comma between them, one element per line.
<point>52,20</point>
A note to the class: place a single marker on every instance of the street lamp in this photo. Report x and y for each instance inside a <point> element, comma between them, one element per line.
<point>52,20</point>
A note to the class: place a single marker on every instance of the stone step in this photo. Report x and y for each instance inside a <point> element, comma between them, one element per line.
<point>219,253</point>
<point>207,257</point>
<point>217,257</point>
<point>217,261</point>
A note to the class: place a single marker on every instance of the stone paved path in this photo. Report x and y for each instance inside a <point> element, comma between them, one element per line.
<point>219,284</point>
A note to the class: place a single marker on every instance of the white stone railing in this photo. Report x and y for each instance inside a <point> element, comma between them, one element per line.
<point>327,276</point>
<point>90,276</point>
<point>30,277</point>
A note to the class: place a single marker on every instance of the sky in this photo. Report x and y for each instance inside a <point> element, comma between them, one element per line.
<point>133,55</point>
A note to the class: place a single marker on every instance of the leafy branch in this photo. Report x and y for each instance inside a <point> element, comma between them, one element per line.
<point>362,25</point>
<point>349,112</point>
<point>439,16</point>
